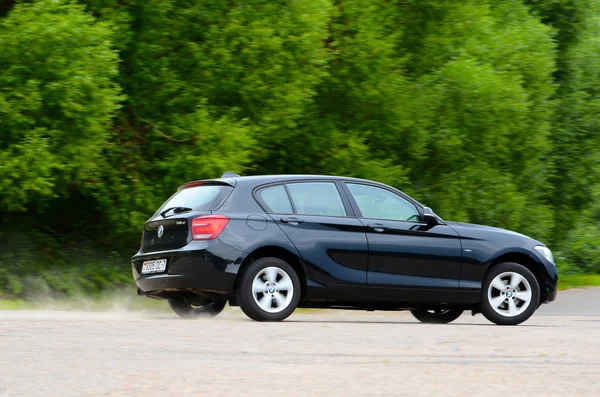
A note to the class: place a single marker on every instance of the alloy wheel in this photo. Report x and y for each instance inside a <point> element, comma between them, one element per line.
<point>272,289</point>
<point>509,294</point>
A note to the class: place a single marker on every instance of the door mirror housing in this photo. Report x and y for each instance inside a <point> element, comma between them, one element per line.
<point>430,217</point>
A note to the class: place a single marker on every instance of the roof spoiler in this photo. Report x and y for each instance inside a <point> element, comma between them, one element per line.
<point>212,181</point>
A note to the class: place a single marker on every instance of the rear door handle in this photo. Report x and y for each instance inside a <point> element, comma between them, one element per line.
<point>378,227</point>
<point>291,220</point>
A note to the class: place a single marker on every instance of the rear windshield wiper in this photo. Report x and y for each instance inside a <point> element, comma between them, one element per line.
<point>176,210</point>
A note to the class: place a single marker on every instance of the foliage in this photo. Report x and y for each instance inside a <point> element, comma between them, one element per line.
<point>578,280</point>
<point>57,99</point>
<point>487,111</point>
<point>576,132</point>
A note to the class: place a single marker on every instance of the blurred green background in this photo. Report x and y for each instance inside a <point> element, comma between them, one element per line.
<point>485,110</point>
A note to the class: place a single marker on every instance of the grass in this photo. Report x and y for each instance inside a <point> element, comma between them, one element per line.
<point>128,301</point>
<point>16,305</point>
<point>578,280</point>
<point>109,301</point>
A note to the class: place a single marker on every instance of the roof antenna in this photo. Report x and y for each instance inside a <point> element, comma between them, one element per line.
<point>230,175</point>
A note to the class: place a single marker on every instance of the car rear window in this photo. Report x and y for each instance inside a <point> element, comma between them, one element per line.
<point>275,200</point>
<point>198,198</point>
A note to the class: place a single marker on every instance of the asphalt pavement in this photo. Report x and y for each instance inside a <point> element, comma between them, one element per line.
<point>320,353</point>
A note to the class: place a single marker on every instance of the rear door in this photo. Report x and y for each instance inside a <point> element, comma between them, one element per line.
<point>403,251</point>
<point>320,223</point>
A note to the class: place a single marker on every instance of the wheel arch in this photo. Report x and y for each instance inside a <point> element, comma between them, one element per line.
<point>528,262</point>
<point>277,252</point>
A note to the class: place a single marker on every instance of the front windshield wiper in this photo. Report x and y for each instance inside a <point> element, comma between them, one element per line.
<point>176,210</point>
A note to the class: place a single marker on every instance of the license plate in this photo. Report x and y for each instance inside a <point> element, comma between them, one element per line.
<point>155,266</point>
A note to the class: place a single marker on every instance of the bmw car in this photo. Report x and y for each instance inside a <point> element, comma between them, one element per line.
<point>270,244</point>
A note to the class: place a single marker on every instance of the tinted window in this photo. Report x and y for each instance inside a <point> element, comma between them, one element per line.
<point>200,198</point>
<point>378,203</point>
<point>316,198</point>
<point>275,199</point>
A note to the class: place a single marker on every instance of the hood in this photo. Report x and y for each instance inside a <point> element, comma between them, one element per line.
<point>475,227</point>
<point>481,232</point>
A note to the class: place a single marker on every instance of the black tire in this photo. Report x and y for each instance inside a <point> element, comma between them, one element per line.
<point>442,316</point>
<point>196,307</point>
<point>486,306</point>
<point>245,295</point>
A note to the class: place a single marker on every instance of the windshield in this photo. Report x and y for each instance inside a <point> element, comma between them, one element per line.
<point>198,198</point>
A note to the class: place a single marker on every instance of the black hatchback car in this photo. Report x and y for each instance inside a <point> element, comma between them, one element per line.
<point>272,243</point>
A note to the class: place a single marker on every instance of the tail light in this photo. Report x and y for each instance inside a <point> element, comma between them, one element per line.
<point>208,227</point>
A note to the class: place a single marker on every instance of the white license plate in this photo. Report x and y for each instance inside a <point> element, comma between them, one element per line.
<point>155,266</point>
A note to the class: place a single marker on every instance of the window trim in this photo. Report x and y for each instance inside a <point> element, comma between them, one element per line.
<point>289,196</point>
<point>348,207</point>
<point>359,213</point>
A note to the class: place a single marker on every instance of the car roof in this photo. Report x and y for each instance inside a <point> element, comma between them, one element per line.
<point>257,180</point>
<point>263,179</point>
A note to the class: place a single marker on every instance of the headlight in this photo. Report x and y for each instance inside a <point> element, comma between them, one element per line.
<point>545,251</point>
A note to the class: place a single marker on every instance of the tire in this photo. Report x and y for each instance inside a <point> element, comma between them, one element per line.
<point>510,294</point>
<point>196,307</point>
<point>264,277</point>
<point>443,316</point>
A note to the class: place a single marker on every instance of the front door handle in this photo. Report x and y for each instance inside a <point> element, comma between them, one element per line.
<point>378,227</point>
<point>291,220</point>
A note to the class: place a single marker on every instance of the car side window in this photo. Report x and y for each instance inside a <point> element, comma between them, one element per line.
<point>377,203</point>
<point>316,198</point>
<point>275,199</point>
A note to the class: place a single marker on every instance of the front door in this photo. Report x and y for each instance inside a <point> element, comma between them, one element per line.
<point>403,251</point>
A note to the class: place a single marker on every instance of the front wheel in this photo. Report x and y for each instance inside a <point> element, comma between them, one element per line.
<point>441,316</point>
<point>196,307</point>
<point>269,290</point>
<point>510,294</point>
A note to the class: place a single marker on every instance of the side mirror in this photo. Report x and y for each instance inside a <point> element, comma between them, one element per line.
<point>430,217</point>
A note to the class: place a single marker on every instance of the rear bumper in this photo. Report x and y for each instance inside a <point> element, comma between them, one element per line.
<point>166,282</point>
<point>208,266</point>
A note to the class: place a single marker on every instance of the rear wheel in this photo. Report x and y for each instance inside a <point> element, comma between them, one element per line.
<point>510,294</point>
<point>196,306</point>
<point>269,290</point>
<point>437,316</point>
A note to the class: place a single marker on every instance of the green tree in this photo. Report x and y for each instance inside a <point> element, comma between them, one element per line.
<point>204,81</point>
<point>486,72</point>
<point>450,101</point>
<point>487,111</point>
<point>576,134</point>
<point>57,99</point>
